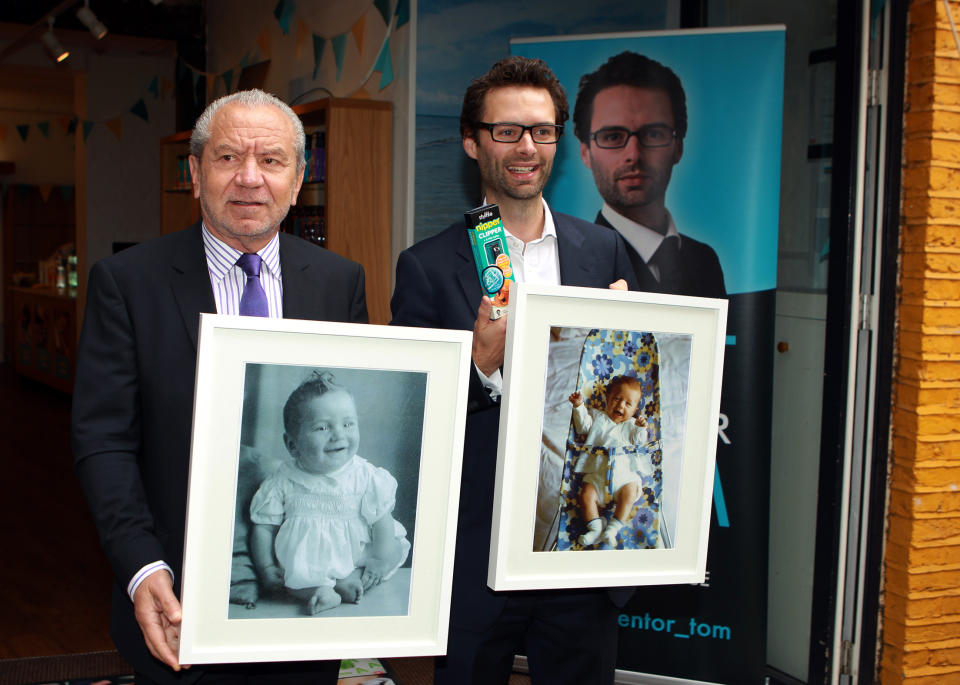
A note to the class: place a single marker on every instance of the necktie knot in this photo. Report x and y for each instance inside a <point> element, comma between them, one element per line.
<point>250,264</point>
<point>253,300</point>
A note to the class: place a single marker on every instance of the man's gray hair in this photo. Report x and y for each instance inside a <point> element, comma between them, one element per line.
<point>247,98</point>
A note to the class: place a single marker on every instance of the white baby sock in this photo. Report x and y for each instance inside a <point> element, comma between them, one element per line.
<point>594,528</point>
<point>610,532</point>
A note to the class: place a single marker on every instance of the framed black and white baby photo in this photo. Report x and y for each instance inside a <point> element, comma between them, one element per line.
<point>324,482</point>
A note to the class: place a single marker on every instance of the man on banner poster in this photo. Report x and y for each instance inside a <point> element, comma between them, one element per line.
<point>725,199</point>
<point>631,118</point>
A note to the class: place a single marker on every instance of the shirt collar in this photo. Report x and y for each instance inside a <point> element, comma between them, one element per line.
<point>549,228</point>
<point>222,257</point>
<point>644,240</point>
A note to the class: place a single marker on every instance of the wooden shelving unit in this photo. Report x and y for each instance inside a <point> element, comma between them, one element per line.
<point>354,198</point>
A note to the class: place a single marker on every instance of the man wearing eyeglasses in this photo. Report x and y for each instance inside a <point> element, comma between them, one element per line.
<point>631,118</point>
<point>511,120</point>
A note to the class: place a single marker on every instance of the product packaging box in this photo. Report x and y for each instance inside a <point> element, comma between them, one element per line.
<point>490,254</point>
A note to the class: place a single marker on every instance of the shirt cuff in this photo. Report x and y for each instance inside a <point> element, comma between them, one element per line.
<point>142,574</point>
<point>493,383</point>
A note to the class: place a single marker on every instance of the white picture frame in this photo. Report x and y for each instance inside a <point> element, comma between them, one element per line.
<point>535,392</point>
<point>234,349</point>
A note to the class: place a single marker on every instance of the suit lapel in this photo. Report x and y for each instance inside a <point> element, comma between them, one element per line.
<point>190,282</point>
<point>573,271</point>
<point>299,300</point>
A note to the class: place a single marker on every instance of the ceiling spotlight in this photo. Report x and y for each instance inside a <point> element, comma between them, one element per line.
<point>53,46</point>
<point>89,19</point>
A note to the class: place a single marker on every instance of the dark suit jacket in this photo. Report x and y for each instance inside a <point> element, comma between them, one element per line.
<point>701,274</point>
<point>133,395</point>
<point>437,287</point>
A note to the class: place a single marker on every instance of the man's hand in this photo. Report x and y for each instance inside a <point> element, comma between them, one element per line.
<point>158,613</point>
<point>619,284</point>
<point>488,339</point>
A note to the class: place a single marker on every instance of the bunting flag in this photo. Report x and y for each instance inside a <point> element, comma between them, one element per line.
<point>45,189</point>
<point>339,47</point>
<point>228,80</point>
<point>23,190</point>
<point>245,61</point>
<point>318,44</point>
<point>63,123</point>
<point>116,127</point>
<point>87,127</point>
<point>44,127</point>
<point>403,12</point>
<point>263,42</point>
<point>284,13</point>
<point>167,86</point>
<point>23,130</point>
<point>154,87</point>
<point>66,192</point>
<point>358,32</point>
<point>140,109</point>
<point>383,7</point>
<point>385,65</point>
<point>360,94</point>
<point>302,33</point>
<point>72,126</point>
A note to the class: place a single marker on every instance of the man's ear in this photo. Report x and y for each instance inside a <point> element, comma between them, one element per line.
<point>470,146</point>
<point>195,177</point>
<point>585,155</point>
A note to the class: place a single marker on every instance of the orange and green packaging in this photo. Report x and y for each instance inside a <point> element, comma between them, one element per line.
<point>490,254</point>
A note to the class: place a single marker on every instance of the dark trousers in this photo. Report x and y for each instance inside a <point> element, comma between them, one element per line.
<point>567,638</point>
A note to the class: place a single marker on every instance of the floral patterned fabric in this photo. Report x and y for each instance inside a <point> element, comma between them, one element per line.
<point>607,354</point>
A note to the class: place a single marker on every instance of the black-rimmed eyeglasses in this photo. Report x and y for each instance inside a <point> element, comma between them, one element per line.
<point>509,132</point>
<point>652,135</point>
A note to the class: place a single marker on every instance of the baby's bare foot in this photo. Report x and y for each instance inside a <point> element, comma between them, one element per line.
<point>324,598</point>
<point>351,587</point>
<point>245,593</point>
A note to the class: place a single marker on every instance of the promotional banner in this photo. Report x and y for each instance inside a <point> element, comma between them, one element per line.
<point>717,175</point>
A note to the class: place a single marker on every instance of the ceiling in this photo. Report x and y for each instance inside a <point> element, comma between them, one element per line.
<point>170,19</point>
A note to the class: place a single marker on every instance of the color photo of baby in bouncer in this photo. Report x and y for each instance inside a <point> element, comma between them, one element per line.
<point>612,445</point>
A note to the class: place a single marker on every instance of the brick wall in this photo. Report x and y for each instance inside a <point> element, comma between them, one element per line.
<point>921,612</point>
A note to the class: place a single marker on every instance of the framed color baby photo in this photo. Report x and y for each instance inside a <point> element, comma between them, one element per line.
<point>324,482</point>
<point>619,394</point>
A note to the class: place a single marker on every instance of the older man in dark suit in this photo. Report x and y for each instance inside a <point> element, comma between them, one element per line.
<point>133,399</point>
<point>511,120</point>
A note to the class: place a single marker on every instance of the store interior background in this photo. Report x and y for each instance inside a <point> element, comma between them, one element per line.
<point>116,181</point>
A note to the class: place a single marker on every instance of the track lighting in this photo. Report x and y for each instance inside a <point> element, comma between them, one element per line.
<point>53,46</point>
<point>89,19</point>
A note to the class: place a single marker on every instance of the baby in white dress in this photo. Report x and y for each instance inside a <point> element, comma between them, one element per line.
<point>613,427</point>
<point>322,525</point>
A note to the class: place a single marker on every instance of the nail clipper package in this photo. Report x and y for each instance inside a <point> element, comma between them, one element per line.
<point>489,243</point>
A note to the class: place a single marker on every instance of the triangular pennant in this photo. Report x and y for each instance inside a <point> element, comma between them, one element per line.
<point>116,127</point>
<point>383,7</point>
<point>45,189</point>
<point>245,61</point>
<point>87,127</point>
<point>318,44</point>
<point>228,80</point>
<point>63,123</point>
<point>66,192</point>
<point>263,42</point>
<point>339,48</point>
<point>360,94</point>
<point>140,109</point>
<point>44,127</point>
<point>302,32</point>
<point>154,86</point>
<point>385,65</point>
<point>403,12</point>
<point>167,86</point>
<point>284,13</point>
<point>72,126</point>
<point>23,130</point>
<point>358,32</point>
<point>23,190</point>
<point>196,79</point>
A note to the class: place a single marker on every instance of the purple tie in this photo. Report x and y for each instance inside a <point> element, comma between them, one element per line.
<point>253,302</point>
